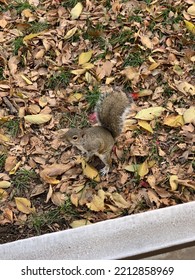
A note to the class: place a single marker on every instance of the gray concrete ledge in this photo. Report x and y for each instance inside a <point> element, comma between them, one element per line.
<point>112,239</point>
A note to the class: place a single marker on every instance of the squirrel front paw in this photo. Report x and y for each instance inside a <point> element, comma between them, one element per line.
<point>104,171</point>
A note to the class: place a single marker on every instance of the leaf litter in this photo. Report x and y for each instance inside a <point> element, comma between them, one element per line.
<point>54,58</point>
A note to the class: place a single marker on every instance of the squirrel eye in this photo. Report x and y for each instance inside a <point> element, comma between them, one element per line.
<point>75,137</point>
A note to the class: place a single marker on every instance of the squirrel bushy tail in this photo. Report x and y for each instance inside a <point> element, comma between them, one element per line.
<point>112,109</point>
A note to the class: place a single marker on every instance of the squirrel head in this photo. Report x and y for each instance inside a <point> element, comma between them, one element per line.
<point>72,136</point>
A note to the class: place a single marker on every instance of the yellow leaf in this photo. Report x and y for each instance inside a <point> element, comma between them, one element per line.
<point>5,184</point>
<point>31,36</point>
<point>4,138</point>
<point>145,125</point>
<point>87,65</point>
<point>80,223</point>
<point>85,57</point>
<point>119,200</point>
<point>26,80</point>
<point>74,199</point>
<point>143,169</point>
<point>145,92</point>
<point>149,113</point>
<point>13,170</point>
<point>97,203</point>
<point>76,11</point>
<point>78,71</point>
<point>190,26</point>
<point>174,121</point>
<point>90,171</point>
<point>189,115</point>
<point>132,167</point>
<point>191,10</point>
<point>75,97</point>
<point>27,13</point>
<point>38,119</point>
<point>3,195</point>
<point>24,205</point>
<point>173,180</point>
<point>70,33</point>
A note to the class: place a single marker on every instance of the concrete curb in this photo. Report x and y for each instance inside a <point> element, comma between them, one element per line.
<point>112,239</point>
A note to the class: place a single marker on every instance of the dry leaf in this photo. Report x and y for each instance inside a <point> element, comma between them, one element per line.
<point>145,125</point>
<point>38,119</point>
<point>119,201</point>
<point>80,223</point>
<point>49,173</point>
<point>174,121</point>
<point>185,87</point>
<point>76,11</point>
<point>70,33</point>
<point>149,113</point>
<point>97,203</point>
<point>4,184</point>
<point>190,26</point>
<point>89,171</point>
<point>58,198</point>
<point>173,180</point>
<point>143,169</point>
<point>146,42</point>
<point>189,115</point>
<point>85,57</point>
<point>24,205</point>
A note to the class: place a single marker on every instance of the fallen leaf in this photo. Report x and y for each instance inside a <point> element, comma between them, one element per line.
<point>143,169</point>
<point>70,33</point>
<point>97,203</point>
<point>119,201</point>
<point>85,57</point>
<point>149,113</point>
<point>146,42</point>
<point>174,121</point>
<point>49,173</point>
<point>191,10</point>
<point>79,223</point>
<point>38,119</point>
<point>185,87</point>
<point>4,184</point>
<point>189,115</point>
<point>89,171</point>
<point>15,168</point>
<point>173,181</point>
<point>58,198</point>
<point>78,71</point>
<point>145,125</point>
<point>76,11</point>
<point>24,205</point>
<point>190,26</point>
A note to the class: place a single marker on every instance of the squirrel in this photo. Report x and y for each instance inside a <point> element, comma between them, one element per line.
<point>112,109</point>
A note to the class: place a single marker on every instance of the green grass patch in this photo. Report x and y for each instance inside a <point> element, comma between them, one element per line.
<point>59,80</point>
<point>17,44</point>
<point>2,162</point>
<point>73,120</point>
<point>70,3</point>
<point>133,59</point>
<point>93,96</point>
<point>12,127</point>
<point>1,73</point>
<point>121,38</point>
<point>38,27</point>
<point>20,5</point>
<point>40,221</point>
<point>22,180</point>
